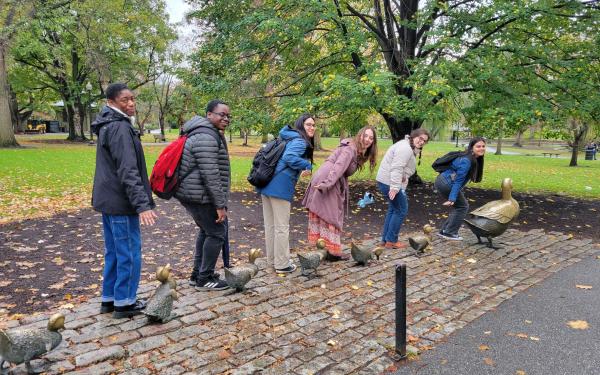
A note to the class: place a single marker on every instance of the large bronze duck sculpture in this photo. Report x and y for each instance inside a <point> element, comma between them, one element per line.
<point>161,303</point>
<point>492,219</point>
<point>310,261</point>
<point>362,256</point>
<point>420,242</point>
<point>238,277</point>
<point>23,345</point>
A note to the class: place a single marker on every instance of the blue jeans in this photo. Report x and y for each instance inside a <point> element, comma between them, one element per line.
<point>122,258</point>
<point>397,210</point>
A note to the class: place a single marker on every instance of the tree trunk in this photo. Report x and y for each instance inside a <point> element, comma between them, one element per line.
<point>400,128</point>
<point>499,146</point>
<point>317,141</point>
<point>7,135</point>
<point>71,121</point>
<point>82,117</point>
<point>579,131</point>
<point>518,141</point>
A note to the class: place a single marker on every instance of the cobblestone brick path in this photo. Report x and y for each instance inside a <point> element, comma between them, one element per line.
<point>340,323</point>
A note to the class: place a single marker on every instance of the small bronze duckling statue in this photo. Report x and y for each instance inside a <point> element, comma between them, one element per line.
<point>238,277</point>
<point>492,219</point>
<point>23,345</point>
<point>161,303</point>
<point>362,256</point>
<point>310,261</point>
<point>421,242</point>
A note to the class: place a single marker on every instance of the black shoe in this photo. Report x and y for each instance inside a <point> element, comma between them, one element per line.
<point>193,278</point>
<point>212,283</point>
<point>107,307</point>
<point>289,269</point>
<point>129,310</point>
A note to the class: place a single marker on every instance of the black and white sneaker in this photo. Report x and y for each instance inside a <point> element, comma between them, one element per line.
<point>289,269</point>
<point>448,236</point>
<point>192,280</point>
<point>211,284</point>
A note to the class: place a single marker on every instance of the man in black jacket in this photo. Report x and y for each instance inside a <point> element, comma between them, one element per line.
<point>204,189</point>
<point>122,194</point>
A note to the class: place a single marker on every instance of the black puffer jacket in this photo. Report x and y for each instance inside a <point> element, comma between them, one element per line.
<point>121,185</point>
<point>205,171</point>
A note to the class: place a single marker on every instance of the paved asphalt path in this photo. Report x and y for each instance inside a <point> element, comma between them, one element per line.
<point>528,334</point>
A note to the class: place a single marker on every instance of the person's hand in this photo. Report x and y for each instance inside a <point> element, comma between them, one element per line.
<point>448,203</point>
<point>305,173</point>
<point>392,194</point>
<point>221,215</point>
<point>147,217</point>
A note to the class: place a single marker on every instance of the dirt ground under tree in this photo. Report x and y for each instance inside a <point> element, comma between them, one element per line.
<point>57,261</point>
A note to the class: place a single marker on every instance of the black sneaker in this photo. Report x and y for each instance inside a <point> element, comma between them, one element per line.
<point>193,278</point>
<point>129,310</point>
<point>107,307</point>
<point>451,237</point>
<point>212,283</point>
<point>289,269</point>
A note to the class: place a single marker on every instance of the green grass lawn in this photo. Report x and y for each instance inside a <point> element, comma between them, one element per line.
<point>43,178</point>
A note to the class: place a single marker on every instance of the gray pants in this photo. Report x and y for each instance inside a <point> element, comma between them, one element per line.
<point>459,209</point>
<point>276,213</point>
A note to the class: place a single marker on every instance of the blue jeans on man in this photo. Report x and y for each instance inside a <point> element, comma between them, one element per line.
<point>122,259</point>
<point>397,210</point>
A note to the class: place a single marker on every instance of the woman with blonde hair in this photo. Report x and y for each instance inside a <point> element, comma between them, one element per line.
<point>327,193</point>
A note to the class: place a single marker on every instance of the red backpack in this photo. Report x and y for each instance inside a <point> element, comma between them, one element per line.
<point>164,179</point>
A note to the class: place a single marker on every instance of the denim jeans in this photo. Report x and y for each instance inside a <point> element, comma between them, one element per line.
<point>458,210</point>
<point>122,258</point>
<point>209,241</point>
<point>397,210</point>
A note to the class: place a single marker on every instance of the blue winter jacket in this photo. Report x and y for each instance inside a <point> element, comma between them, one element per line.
<point>457,175</point>
<point>288,168</point>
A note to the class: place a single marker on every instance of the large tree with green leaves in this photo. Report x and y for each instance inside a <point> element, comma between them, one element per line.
<point>346,59</point>
<point>94,42</point>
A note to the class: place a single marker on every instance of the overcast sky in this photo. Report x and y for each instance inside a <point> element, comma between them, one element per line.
<point>176,9</point>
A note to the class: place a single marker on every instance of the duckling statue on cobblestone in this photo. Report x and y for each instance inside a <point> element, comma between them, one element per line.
<point>238,277</point>
<point>161,303</point>
<point>421,242</point>
<point>492,219</point>
<point>362,256</point>
<point>310,261</point>
<point>23,345</point>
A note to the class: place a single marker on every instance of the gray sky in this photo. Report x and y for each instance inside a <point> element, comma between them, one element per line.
<point>176,9</point>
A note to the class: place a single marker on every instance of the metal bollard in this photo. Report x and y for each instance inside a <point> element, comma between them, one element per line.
<point>401,311</point>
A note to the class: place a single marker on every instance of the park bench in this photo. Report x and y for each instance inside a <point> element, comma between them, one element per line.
<point>159,137</point>
<point>550,154</point>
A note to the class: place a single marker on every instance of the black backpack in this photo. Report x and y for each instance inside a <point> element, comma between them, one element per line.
<point>265,162</point>
<point>443,162</point>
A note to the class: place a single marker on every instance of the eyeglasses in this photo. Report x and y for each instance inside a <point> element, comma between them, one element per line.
<point>423,140</point>
<point>223,115</point>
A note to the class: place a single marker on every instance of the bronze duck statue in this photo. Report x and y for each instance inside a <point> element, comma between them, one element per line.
<point>23,345</point>
<point>492,219</point>
<point>238,277</point>
<point>310,261</point>
<point>362,256</point>
<point>161,303</point>
<point>420,242</point>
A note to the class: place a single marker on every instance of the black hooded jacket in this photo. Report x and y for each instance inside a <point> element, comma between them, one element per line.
<point>121,185</point>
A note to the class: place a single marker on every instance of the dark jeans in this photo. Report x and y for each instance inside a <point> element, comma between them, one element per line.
<point>209,241</point>
<point>397,210</point>
<point>458,210</point>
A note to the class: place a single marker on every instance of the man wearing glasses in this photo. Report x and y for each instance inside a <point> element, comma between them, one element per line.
<point>205,181</point>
